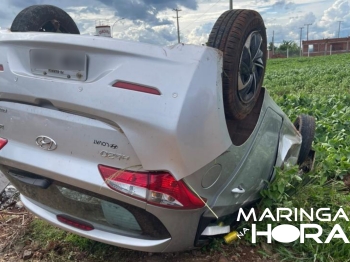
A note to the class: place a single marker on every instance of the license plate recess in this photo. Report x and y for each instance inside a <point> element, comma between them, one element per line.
<point>59,63</point>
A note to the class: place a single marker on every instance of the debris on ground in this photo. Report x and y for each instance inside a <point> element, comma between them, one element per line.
<point>14,220</point>
<point>8,197</point>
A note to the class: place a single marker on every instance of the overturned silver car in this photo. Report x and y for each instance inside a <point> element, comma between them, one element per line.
<point>139,146</point>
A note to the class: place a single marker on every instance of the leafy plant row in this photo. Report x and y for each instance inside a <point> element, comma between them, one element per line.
<point>318,86</point>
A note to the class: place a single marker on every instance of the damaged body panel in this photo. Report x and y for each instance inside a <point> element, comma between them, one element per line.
<point>135,148</point>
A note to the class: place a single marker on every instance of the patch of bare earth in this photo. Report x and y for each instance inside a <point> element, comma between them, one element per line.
<point>14,221</point>
<point>13,225</point>
<point>346,180</point>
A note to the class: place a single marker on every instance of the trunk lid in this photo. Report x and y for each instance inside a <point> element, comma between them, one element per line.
<point>170,131</point>
<point>53,134</point>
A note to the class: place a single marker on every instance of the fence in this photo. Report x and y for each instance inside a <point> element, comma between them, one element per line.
<point>319,47</point>
<point>308,53</point>
<point>283,54</point>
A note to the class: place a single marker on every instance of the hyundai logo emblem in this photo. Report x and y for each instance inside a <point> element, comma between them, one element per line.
<point>46,143</point>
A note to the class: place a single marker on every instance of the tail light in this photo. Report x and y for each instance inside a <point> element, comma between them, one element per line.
<point>1,68</point>
<point>156,188</point>
<point>136,87</point>
<point>3,142</point>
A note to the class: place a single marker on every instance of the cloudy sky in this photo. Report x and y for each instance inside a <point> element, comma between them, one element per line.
<point>152,21</point>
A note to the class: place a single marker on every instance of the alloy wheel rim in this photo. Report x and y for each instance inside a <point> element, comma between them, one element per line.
<point>251,67</point>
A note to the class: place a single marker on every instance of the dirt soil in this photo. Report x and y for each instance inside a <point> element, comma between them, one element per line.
<point>15,221</point>
<point>346,180</point>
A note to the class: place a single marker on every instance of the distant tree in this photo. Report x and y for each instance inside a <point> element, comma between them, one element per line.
<point>291,45</point>
<point>270,46</point>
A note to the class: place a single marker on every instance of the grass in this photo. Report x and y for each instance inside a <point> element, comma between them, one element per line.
<point>318,86</point>
<point>58,245</point>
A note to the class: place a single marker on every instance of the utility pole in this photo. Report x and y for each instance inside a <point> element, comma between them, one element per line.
<point>231,5</point>
<point>339,28</point>
<point>178,27</point>
<point>273,42</point>
<point>301,34</point>
<point>307,31</point>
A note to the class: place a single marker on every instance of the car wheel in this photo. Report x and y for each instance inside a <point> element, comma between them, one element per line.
<point>306,126</point>
<point>241,36</point>
<point>44,18</point>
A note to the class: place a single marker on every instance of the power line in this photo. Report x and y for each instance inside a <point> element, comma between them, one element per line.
<point>206,11</point>
<point>178,27</point>
<point>307,31</point>
<point>339,28</point>
<point>115,23</point>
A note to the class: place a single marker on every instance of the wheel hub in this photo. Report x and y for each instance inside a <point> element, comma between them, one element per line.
<point>251,67</point>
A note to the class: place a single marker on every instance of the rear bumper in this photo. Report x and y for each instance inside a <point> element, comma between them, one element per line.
<point>98,235</point>
<point>163,230</point>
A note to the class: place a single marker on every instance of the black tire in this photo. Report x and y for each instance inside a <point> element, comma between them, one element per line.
<point>230,34</point>
<point>305,124</point>
<point>44,18</point>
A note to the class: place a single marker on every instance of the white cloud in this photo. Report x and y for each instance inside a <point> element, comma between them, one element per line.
<point>339,11</point>
<point>200,34</point>
<point>283,16</point>
<point>161,35</point>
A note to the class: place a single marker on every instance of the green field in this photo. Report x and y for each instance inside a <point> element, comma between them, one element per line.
<point>320,87</point>
<point>317,86</point>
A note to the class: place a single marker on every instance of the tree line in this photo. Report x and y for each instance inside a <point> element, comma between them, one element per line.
<point>286,45</point>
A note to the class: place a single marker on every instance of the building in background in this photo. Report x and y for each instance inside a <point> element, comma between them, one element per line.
<point>326,46</point>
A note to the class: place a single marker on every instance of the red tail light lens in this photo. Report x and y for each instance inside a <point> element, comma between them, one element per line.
<point>3,142</point>
<point>136,87</point>
<point>1,68</point>
<point>156,188</point>
<point>75,223</point>
<point>130,183</point>
<point>165,190</point>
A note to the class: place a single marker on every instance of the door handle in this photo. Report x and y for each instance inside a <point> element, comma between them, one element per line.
<point>238,190</point>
